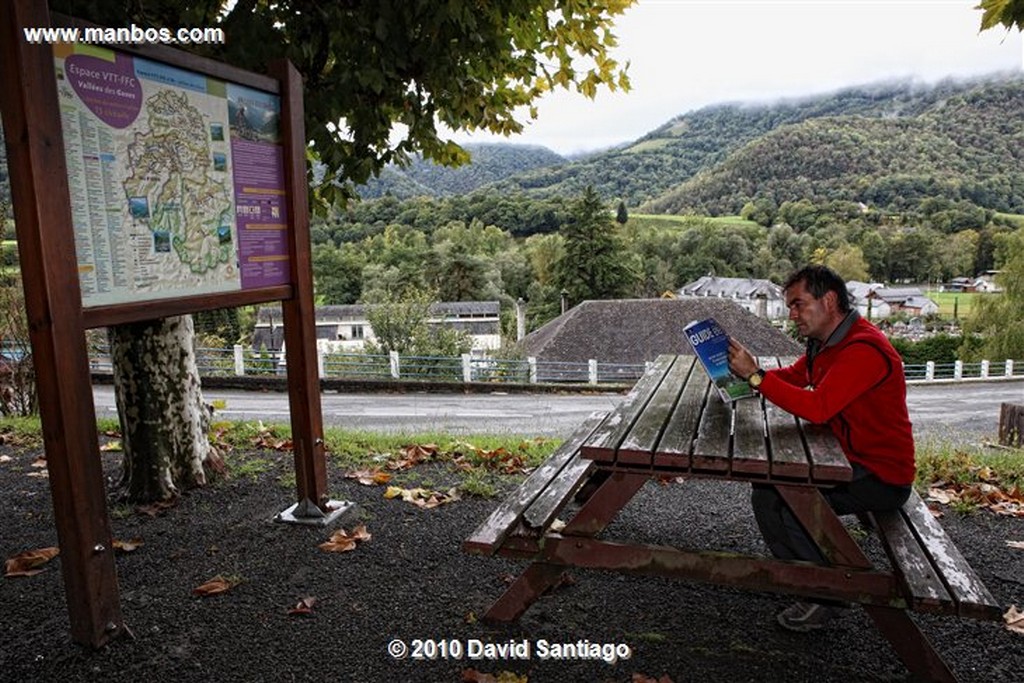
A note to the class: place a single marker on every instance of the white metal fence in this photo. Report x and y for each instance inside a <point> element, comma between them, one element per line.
<point>239,361</point>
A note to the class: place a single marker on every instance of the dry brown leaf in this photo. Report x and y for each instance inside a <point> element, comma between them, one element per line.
<point>421,497</point>
<point>215,586</point>
<point>39,462</point>
<point>157,508</point>
<point>937,495</point>
<point>304,608</point>
<point>342,541</point>
<point>374,477</point>
<point>41,474</point>
<point>474,676</point>
<point>1014,619</point>
<point>1019,545</point>
<point>127,546</point>
<point>5,458</point>
<point>28,562</point>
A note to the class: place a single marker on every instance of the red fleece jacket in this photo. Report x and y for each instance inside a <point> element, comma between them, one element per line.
<point>856,385</point>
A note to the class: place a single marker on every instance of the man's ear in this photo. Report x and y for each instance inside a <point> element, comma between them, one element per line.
<point>831,300</point>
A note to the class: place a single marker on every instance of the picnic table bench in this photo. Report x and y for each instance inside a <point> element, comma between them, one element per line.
<point>673,424</point>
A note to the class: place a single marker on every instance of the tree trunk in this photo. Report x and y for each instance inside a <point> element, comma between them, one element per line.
<point>164,421</point>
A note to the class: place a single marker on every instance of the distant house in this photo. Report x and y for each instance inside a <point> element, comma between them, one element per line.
<point>907,299</point>
<point>763,298</point>
<point>638,330</point>
<point>864,297</point>
<point>346,328</point>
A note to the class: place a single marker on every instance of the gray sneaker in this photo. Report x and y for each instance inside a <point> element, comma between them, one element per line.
<point>805,616</point>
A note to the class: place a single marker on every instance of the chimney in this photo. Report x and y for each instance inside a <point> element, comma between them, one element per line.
<point>565,301</point>
<point>762,305</point>
<point>520,318</point>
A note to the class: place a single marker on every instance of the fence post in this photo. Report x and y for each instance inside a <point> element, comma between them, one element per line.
<point>320,355</point>
<point>239,360</point>
<point>984,369</point>
<point>393,359</point>
<point>592,371</point>
<point>929,371</point>
<point>958,369</point>
<point>532,362</point>
<point>1009,367</point>
<point>467,368</point>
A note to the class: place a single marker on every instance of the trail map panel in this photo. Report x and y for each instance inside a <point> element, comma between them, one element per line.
<point>176,179</point>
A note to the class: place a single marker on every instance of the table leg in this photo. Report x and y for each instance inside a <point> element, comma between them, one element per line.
<point>591,519</point>
<point>835,542</point>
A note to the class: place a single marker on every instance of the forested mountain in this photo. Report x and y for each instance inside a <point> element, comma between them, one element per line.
<point>967,145</point>
<point>740,152</point>
<point>490,163</point>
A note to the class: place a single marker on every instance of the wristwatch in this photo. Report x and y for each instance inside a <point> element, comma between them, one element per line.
<point>755,379</point>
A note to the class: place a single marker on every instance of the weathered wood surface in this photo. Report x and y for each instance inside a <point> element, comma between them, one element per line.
<point>548,487</point>
<point>968,596</point>
<point>1011,425</point>
<point>673,422</point>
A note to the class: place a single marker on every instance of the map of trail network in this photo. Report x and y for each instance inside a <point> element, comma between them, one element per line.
<point>170,195</point>
<point>176,190</point>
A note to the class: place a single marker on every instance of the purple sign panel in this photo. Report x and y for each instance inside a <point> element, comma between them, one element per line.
<point>254,120</point>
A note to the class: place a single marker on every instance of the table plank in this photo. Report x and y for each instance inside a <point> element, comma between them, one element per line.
<point>711,448</point>
<point>749,448</point>
<point>676,443</point>
<point>828,463</point>
<point>637,447</point>
<point>602,444</point>
<point>788,455</point>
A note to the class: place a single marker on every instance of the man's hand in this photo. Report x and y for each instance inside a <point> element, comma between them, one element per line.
<point>741,362</point>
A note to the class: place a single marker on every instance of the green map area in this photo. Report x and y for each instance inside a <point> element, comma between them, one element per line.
<point>178,186</point>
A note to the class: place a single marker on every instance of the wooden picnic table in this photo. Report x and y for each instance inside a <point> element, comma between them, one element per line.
<point>673,424</point>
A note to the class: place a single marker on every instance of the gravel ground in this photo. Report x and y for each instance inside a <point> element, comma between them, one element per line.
<point>411,582</point>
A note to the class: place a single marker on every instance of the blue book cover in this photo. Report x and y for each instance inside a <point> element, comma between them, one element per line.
<point>711,345</point>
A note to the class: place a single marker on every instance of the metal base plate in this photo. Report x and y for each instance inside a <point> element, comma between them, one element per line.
<point>307,513</point>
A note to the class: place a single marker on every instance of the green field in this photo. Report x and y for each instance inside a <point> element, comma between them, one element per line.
<point>962,301</point>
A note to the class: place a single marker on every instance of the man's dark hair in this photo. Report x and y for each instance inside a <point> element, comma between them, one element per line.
<point>819,281</point>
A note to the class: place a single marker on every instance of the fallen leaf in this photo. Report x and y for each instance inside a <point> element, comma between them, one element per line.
<point>5,458</point>
<point>304,608</point>
<point>1014,619</point>
<point>127,546</point>
<point>42,474</point>
<point>111,446</point>
<point>157,508</point>
<point>215,586</point>
<point>1019,545</point>
<point>644,678</point>
<point>39,462</point>
<point>342,541</point>
<point>470,617</point>
<point>939,496</point>
<point>421,497</point>
<point>28,562</point>
<point>374,477</point>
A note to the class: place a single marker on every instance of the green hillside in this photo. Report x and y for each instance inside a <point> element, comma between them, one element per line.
<point>966,146</point>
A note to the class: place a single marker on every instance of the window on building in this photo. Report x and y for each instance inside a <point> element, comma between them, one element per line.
<point>357,331</point>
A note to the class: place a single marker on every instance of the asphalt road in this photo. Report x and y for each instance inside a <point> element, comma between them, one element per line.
<point>964,411</point>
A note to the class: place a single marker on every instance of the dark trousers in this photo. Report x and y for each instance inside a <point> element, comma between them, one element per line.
<point>787,539</point>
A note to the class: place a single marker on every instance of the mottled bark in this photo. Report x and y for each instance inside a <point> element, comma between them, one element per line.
<point>164,421</point>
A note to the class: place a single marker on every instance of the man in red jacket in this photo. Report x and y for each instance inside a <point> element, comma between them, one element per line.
<point>852,378</point>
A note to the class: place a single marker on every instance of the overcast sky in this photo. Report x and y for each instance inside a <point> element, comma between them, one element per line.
<point>686,54</point>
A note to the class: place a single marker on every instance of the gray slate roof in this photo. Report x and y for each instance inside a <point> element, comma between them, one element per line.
<point>638,330</point>
<point>744,288</point>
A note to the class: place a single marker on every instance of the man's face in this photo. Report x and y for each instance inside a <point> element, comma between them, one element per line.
<point>813,317</point>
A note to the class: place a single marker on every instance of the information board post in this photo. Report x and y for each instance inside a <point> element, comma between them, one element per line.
<point>39,187</point>
<point>111,232</point>
<point>299,313</point>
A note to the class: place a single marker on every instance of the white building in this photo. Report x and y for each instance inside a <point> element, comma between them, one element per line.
<point>763,298</point>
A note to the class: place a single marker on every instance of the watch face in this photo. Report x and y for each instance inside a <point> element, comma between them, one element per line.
<point>755,379</point>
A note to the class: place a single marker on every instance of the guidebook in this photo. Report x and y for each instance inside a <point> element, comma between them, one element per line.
<point>711,345</point>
